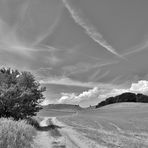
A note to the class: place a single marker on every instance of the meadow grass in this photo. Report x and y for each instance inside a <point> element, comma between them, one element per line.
<point>16,134</point>
<point>119,125</point>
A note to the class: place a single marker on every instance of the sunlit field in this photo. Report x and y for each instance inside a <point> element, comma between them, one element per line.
<point>55,113</point>
<point>118,125</point>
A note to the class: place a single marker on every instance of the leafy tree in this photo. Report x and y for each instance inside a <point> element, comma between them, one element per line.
<point>125,97</point>
<point>20,94</point>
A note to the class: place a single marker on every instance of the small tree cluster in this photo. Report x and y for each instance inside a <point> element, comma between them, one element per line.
<point>125,97</point>
<point>20,94</point>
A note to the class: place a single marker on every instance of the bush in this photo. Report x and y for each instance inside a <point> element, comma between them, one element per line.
<point>33,122</point>
<point>16,134</point>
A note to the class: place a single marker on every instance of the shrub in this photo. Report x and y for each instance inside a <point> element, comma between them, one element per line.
<point>16,134</point>
<point>33,122</point>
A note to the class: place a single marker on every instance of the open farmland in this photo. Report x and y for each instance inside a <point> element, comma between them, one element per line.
<point>55,113</point>
<point>55,110</point>
<point>118,125</point>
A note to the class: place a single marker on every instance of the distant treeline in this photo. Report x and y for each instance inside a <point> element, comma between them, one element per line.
<point>125,97</point>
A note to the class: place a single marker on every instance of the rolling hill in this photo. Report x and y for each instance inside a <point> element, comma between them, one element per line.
<point>124,97</point>
<point>59,110</point>
<point>67,107</point>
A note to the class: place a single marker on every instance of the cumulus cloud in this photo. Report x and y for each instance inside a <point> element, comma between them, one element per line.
<point>89,28</point>
<point>101,93</point>
<point>140,87</point>
<point>74,99</point>
<point>96,93</point>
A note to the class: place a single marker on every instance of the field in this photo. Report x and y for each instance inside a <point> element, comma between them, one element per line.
<point>55,113</point>
<point>55,110</point>
<point>119,125</point>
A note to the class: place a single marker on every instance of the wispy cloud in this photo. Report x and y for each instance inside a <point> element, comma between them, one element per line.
<point>48,32</point>
<point>10,43</point>
<point>89,28</point>
<point>24,9</point>
<point>67,81</point>
<point>77,69</point>
<point>9,40</point>
<point>137,49</point>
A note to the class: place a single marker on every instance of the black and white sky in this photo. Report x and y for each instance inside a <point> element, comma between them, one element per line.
<point>82,50</point>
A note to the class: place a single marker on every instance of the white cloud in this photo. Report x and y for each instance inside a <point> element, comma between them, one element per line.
<point>74,99</point>
<point>140,87</point>
<point>101,93</point>
<point>96,93</point>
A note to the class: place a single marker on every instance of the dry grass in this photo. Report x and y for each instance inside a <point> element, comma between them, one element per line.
<point>119,125</point>
<point>16,134</point>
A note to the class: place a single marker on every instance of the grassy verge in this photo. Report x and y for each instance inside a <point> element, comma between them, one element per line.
<point>16,134</point>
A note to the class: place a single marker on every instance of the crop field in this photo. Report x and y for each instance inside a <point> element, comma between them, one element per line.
<point>55,113</point>
<point>122,125</point>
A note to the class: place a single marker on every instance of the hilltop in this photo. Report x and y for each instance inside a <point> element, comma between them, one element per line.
<point>125,97</point>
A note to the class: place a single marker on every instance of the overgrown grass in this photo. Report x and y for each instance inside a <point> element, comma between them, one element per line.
<point>16,134</point>
<point>33,122</point>
<point>119,125</point>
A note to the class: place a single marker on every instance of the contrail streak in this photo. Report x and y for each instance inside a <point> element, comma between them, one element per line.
<point>137,49</point>
<point>90,30</point>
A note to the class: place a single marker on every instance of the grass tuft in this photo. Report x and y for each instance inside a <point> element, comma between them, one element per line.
<point>16,134</point>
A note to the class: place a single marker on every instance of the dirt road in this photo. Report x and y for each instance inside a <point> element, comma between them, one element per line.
<point>58,135</point>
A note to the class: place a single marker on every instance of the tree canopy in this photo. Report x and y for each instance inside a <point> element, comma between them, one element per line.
<point>125,97</point>
<point>20,94</point>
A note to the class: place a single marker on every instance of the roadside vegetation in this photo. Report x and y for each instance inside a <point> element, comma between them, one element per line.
<point>16,134</point>
<point>20,99</point>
